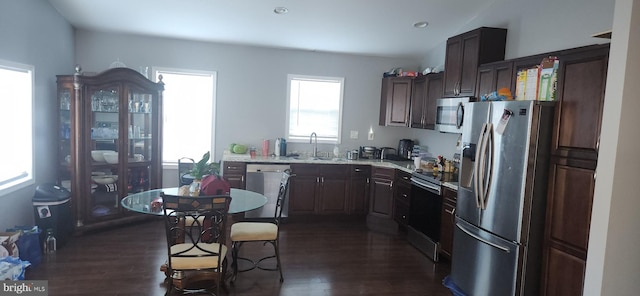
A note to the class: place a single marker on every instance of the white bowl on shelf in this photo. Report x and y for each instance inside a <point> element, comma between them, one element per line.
<point>110,157</point>
<point>105,179</point>
<point>98,155</point>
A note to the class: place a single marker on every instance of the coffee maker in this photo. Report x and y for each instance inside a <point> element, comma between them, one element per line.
<point>405,147</point>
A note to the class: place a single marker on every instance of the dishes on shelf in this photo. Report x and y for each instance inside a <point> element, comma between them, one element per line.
<point>105,179</point>
<point>98,155</point>
<point>111,157</point>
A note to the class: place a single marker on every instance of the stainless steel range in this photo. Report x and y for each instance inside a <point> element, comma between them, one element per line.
<point>425,211</point>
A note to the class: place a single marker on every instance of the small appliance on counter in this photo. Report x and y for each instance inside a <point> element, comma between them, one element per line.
<point>369,152</point>
<point>405,146</point>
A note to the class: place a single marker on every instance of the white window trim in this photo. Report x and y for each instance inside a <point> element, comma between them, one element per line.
<point>173,164</point>
<point>28,180</point>
<point>288,105</point>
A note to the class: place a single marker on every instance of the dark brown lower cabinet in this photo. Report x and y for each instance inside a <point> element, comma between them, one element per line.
<point>449,197</point>
<point>234,172</point>
<point>381,204</point>
<point>318,189</point>
<point>402,196</point>
<point>359,189</point>
<point>567,228</point>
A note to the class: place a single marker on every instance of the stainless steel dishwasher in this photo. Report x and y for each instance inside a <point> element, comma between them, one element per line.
<point>265,179</point>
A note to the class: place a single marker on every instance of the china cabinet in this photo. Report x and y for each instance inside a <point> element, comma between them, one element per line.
<point>110,142</point>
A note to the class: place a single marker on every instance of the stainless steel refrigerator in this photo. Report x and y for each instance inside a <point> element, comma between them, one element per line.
<point>500,211</point>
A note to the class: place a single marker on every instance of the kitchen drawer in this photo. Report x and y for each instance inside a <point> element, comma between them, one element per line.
<point>234,167</point>
<point>448,193</point>
<point>383,173</point>
<point>401,213</point>
<point>402,176</point>
<point>402,192</point>
<point>357,170</point>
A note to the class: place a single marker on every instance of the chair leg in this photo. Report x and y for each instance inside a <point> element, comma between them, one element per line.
<point>235,248</point>
<point>279,266</point>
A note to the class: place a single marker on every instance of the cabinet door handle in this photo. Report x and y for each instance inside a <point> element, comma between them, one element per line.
<point>242,178</point>
<point>391,185</point>
<point>322,178</point>
<point>317,179</point>
<point>367,180</point>
<point>405,195</point>
<point>406,178</point>
<point>453,216</point>
<point>357,170</point>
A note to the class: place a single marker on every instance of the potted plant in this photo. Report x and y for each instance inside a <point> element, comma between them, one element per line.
<point>201,169</point>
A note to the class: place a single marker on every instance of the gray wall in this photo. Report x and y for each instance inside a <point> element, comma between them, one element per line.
<point>33,33</point>
<point>252,81</point>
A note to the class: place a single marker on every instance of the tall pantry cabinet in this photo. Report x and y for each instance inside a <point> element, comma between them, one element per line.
<point>581,85</point>
<point>118,110</point>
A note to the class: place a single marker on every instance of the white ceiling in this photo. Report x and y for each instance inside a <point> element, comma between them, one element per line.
<point>365,27</point>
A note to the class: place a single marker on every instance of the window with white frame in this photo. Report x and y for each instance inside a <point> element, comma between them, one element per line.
<point>314,106</point>
<point>16,117</point>
<point>189,111</point>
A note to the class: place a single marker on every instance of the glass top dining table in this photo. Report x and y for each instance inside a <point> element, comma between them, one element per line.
<point>148,202</point>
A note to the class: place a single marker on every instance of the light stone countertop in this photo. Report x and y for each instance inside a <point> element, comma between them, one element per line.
<point>406,166</point>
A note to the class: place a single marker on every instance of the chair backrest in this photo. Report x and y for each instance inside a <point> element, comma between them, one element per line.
<point>185,165</point>
<point>282,194</point>
<point>190,220</point>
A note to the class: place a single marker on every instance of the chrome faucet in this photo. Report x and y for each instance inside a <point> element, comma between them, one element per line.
<point>315,147</point>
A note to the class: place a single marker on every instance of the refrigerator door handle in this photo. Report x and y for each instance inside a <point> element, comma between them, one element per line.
<point>476,168</point>
<point>487,168</point>
<point>502,248</point>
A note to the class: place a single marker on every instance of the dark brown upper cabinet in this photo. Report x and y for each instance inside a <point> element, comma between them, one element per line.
<point>426,91</point>
<point>465,52</point>
<point>395,101</point>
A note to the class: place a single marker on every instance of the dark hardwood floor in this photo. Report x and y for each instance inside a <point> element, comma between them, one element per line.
<point>319,258</point>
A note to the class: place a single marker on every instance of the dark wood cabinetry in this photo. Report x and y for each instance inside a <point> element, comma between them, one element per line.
<point>581,86</point>
<point>494,76</point>
<point>401,195</point>
<point>120,111</point>
<point>426,91</point>
<point>449,197</point>
<point>464,53</point>
<point>381,204</point>
<point>318,189</point>
<point>395,101</point>
<point>359,189</point>
<point>235,173</point>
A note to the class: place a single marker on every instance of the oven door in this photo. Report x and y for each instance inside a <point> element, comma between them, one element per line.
<point>425,208</point>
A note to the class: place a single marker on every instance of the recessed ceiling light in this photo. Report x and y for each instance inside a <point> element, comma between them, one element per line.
<point>422,24</point>
<point>280,10</point>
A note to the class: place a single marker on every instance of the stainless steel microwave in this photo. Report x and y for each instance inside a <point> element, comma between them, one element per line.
<point>450,114</point>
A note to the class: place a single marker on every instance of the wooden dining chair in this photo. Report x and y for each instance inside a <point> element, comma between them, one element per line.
<point>260,232</point>
<point>195,232</point>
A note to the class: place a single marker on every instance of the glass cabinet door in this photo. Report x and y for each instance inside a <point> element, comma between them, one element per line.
<point>64,145</point>
<point>140,137</point>
<point>106,156</point>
